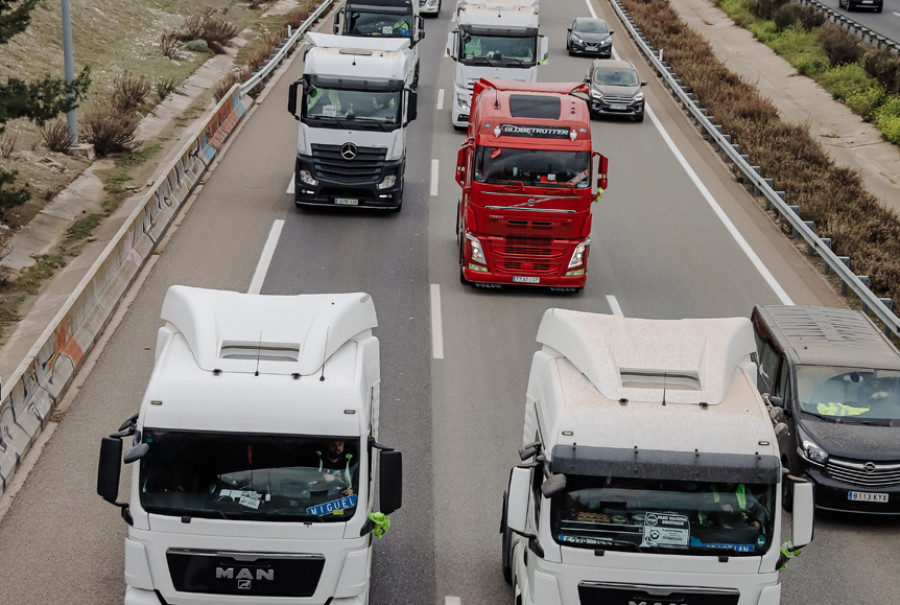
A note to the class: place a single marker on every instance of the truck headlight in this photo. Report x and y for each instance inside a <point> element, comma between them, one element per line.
<point>579,255</point>
<point>388,182</point>
<point>463,102</point>
<point>475,250</point>
<point>306,177</point>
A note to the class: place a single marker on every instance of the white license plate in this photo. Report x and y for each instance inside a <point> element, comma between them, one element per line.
<point>867,497</point>
<point>618,107</point>
<point>526,279</point>
<point>590,48</point>
<point>346,201</point>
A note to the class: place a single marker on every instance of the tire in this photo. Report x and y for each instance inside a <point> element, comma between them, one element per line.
<point>506,554</point>
<point>639,117</point>
<point>462,275</point>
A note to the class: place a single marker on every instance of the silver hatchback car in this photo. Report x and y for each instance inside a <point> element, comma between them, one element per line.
<point>615,89</point>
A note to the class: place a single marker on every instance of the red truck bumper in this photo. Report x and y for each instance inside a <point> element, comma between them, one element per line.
<point>523,262</point>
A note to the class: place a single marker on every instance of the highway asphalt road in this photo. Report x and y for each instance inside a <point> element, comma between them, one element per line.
<point>668,241</point>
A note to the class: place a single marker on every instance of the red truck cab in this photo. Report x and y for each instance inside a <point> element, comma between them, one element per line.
<point>529,175</point>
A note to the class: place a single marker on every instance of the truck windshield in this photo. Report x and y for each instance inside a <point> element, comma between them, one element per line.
<point>533,167</point>
<point>506,51</point>
<point>253,477</point>
<point>669,517</point>
<point>337,105</point>
<point>852,395</point>
<point>359,23</point>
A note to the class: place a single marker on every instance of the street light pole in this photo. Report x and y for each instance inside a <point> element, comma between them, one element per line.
<point>69,67</point>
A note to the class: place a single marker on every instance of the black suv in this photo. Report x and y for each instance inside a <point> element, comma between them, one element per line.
<point>837,377</point>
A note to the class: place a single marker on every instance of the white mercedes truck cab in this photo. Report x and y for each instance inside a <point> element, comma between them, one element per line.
<point>398,19</point>
<point>651,471</point>
<point>494,39</point>
<point>354,107</point>
<point>256,453</point>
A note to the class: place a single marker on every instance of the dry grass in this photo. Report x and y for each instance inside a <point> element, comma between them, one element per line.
<point>833,197</point>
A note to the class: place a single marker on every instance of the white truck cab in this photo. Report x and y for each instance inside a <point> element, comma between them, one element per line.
<point>651,468</point>
<point>354,105</point>
<point>397,19</point>
<point>256,453</point>
<point>494,39</point>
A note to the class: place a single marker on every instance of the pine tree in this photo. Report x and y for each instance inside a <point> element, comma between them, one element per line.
<point>37,101</point>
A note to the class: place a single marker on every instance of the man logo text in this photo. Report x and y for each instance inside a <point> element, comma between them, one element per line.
<point>244,573</point>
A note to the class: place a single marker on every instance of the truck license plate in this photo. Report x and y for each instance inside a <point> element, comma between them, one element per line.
<point>867,497</point>
<point>346,201</point>
<point>618,107</point>
<point>526,279</point>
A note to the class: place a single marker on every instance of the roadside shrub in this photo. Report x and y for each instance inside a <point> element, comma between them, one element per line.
<point>164,86</point>
<point>844,80</point>
<point>810,17</point>
<point>786,16</point>
<point>218,32</point>
<point>233,77</point>
<point>296,16</point>
<point>262,50</point>
<point>168,44</point>
<point>129,91</point>
<point>109,130</point>
<point>7,145</point>
<point>56,135</point>
<point>884,66</point>
<point>197,46</point>
<point>810,65</point>
<point>840,45</point>
<point>887,118</point>
<point>766,9</point>
<point>865,101</point>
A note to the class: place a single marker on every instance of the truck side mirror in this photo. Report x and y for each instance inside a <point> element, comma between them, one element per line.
<point>421,28</point>
<point>336,28</point>
<point>109,468</point>
<point>545,50</point>
<point>802,514</point>
<point>412,105</point>
<point>292,98</point>
<point>452,38</point>
<point>390,488</point>
<point>462,164</point>
<point>517,502</point>
<point>599,166</point>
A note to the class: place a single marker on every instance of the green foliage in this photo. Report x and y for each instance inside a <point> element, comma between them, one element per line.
<point>864,102</point>
<point>10,198</point>
<point>794,43</point>
<point>887,118</point>
<point>844,80</point>
<point>14,20</point>
<point>884,66</point>
<point>197,46</point>
<point>786,16</point>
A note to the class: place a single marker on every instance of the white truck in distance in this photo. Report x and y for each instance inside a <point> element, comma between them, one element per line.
<point>354,108</point>
<point>652,470</point>
<point>494,39</point>
<point>398,19</point>
<point>257,454</point>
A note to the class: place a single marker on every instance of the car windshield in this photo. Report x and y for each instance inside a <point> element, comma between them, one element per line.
<point>377,24</point>
<point>860,395</point>
<point>497,50</point>
<point>333,104</point>
<point>666,517</point>
<point>615,77</point>
<point>592,26</point>
<point>534,167</point>
<point>249,476</point>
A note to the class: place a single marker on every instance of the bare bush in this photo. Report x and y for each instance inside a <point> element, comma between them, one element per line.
<point>165,85</point>
<point>168,44</point>
<point>7,145</point>
<point>840,46</point>
<point>235,76</point>
<point>109,130</point>
<point>884,66</point>
<point>766,9</point>
<point>296,16</point>
<point>192,28</point>
<point>129,91</point>
<point>218,32</point>
<point>786,16</point>
<point>56,135</point>
<point>810,17</point>
<point>255,4</point>
<point>260,54</point>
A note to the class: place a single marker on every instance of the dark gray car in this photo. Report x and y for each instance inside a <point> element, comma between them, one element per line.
<point>615,89</point>
<point>588,36</point>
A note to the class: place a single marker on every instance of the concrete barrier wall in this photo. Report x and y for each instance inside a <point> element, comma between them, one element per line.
<point>41,380</point>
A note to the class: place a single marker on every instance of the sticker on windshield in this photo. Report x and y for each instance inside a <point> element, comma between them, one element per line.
<point>247,498</point>
<point>329,111</point>
<point>665,530</point>
<point>334,506</point>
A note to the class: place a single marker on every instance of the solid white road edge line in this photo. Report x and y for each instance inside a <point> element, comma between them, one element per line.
<point>741,242</point>
<point>440,99</point>
<point>265,259</point>
<point>614,306</point>
<point>290,188</point>
<point>452,601</point>
<point>437,329</point>
<point>434,178</point>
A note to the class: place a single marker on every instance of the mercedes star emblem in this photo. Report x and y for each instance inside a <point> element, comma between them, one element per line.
<point>348,151</point>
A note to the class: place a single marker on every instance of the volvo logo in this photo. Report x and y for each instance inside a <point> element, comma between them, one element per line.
<point>870,467</point>
<point>348,151</point>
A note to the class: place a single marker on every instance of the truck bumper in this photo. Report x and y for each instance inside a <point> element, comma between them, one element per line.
<point>374,190</point>
<point>542,264</point>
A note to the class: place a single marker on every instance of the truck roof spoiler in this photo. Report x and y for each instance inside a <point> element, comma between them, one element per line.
<point>236,332</point>
<point>356,42</point>
<point>563,88</point>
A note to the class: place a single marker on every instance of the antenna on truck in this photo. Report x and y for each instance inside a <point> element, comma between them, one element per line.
<point>258,353</point>
<point>665,376</point>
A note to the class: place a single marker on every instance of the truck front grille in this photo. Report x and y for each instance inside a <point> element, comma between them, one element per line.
<point>331,166</point>
<point>590,593</point>
<point>864,474</point>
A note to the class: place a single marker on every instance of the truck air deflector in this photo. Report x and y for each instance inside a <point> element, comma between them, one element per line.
<point>706,467</point>
<point>535,106</point>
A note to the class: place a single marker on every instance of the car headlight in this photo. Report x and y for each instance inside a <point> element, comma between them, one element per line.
<point>596,94</point>
<point>577,39</point>
<point>639,96</point>
<point>389,181</point>
<point>579,255</point>
<point>475,250</point>
<point>810,451</point>
<point>306,177</point>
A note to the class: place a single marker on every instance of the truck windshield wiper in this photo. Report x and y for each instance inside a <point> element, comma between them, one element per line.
<point>600,550</point>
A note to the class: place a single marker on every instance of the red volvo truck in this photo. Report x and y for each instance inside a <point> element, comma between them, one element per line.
<point>528,175</point>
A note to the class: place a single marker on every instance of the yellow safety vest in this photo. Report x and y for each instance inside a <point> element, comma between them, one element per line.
<point>839,409</point>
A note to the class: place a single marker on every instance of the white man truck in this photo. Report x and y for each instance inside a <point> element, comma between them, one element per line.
<point>398,19</point>
<point>256,453</point>
<point>493,39</point>
<point>354,108</point>
<point>651,468</point>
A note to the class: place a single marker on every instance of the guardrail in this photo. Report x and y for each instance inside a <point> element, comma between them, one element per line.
<point>879,307</point>
<point>49,368</point>
<point>866,35</point>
